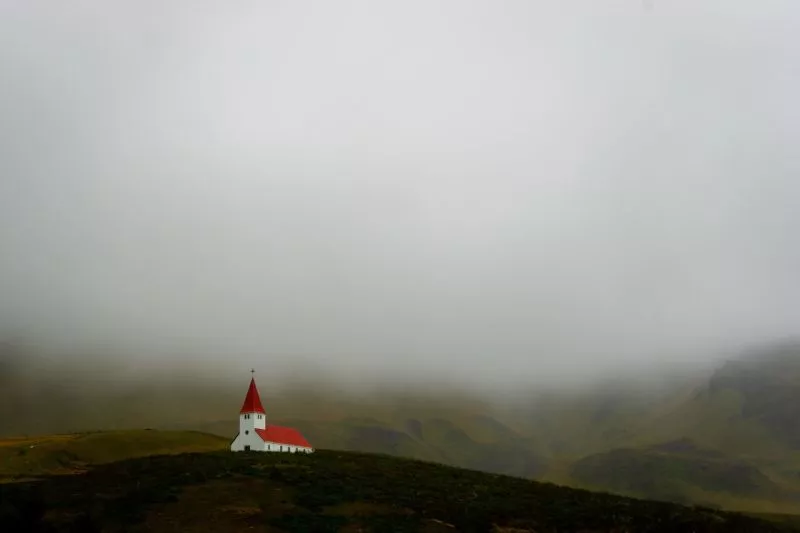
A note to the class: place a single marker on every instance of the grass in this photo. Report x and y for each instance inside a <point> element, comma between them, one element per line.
<point>70,453</point>
<point>745,412</point>
<point>330,491</point>
<point>681,472</point>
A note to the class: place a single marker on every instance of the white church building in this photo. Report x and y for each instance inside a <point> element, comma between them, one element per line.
<point>256,435</point>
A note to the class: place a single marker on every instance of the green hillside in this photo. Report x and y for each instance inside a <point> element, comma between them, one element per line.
<point>70,453</point>
<point>485,445</point>
<point>744,412</point>
<point>678,471</point>
<point>732,442</point>
<point>331,491</point>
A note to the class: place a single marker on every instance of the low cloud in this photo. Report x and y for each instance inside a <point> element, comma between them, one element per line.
<point>460,192</point>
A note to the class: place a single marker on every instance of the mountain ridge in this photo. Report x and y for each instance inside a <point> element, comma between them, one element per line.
<point>332,491</point>
<point>743,411</point>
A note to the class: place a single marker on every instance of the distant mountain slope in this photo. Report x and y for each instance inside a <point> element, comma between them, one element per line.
<point>769,390</point>
<point>747,411</point>
<point>749,407</point>
<point>499,451</point>
<point>743,412</point>
<point>331,491</point>
<point>679,471</point>
<point>735,441</point>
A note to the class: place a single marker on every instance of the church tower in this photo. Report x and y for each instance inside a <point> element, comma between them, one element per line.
<point>252,415</point>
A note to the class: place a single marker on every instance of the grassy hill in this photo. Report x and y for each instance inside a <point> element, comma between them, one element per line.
<point>478,442</point>
<point>732,442</point>
<point>330,491</point>
<point>679,471</point>
<point>745,412</point>
<point>66,454</point>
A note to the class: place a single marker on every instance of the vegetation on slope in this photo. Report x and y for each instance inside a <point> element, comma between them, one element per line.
<point>746,411</point>
<point>674,471</point>
<point>330,491</point>
<point>769,387</point>
<point>484,445</point>
<point>69,453</point>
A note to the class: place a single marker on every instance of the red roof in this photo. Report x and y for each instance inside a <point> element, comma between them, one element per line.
<point>282,435</point>
<point>252,402</point>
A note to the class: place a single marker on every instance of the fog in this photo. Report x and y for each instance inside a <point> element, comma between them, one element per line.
<point>489,193</point>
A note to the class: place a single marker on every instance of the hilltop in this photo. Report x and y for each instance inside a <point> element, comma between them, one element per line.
<point>726,438</point>
<point>31,457</point>
<point>330,491</point>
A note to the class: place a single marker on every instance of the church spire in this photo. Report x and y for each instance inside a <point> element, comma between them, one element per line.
<point>252,402</point>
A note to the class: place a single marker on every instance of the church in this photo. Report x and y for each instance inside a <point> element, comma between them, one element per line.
<point>256,435</point>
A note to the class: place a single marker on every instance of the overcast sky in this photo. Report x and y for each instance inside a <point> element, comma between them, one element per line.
<point>500,192</point>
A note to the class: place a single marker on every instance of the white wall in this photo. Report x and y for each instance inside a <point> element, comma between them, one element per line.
<point>277,447</point>
<point>248,423</point>
<point>247,436</point>
<point>256,444</point>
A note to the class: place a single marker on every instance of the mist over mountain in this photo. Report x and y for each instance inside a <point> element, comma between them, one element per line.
<point>543,193</point>
<point>726,437</point>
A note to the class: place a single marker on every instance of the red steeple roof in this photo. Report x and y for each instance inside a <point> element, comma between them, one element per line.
<point>252,402</point>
